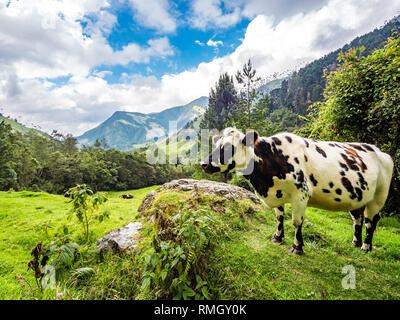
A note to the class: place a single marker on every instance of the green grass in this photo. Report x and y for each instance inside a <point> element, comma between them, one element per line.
<point>245,264</point>
<point>22,215</point>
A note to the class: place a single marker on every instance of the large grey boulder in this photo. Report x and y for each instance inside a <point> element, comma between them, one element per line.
<point>123,239</point>
<point>205,187</point>
<point>126,238</point>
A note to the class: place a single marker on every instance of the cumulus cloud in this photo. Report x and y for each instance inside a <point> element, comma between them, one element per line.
<point>87,99</point>
<point>208,14</point>
<point>212,43</point>
<point>154,14</point>
<point>43,39</point>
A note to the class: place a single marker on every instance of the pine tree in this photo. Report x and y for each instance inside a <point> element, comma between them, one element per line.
<point>221,103</point>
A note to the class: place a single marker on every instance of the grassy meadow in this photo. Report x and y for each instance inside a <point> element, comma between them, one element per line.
<point>244,264</point>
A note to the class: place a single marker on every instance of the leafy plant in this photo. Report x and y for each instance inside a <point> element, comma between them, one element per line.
<point>175,266</point>
<point>50,262</point>
<point>86,206</point>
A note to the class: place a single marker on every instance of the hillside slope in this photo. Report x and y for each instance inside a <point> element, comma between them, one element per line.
<point>306,86</point>
<point>18,127</point>
<point>126,130</point>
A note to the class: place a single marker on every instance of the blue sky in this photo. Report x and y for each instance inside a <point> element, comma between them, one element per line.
<point>187,52</point>
<point>70,64</point>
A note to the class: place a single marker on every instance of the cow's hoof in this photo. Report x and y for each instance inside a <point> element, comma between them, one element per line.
<point>366,247</point>
<point>277,239</point>
<point>297,251</point>
<point>356,244</point>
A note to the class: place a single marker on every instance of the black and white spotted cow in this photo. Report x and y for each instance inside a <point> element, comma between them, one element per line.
<point>335,176</point>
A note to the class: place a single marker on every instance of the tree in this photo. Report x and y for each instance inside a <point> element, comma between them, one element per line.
<point>362,103</point>
<point>249,82</point>
<point>221,103</point>
<point>8,177</point>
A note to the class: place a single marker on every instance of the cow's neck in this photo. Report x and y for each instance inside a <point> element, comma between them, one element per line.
<point>273,163</point>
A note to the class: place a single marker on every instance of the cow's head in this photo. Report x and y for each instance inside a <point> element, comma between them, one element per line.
<point>233,151</point>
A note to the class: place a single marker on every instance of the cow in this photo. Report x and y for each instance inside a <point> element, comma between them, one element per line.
<point>286,168</point>
<point>127,196</point>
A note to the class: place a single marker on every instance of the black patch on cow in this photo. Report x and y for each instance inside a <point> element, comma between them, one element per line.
<point>363,183</point>
<point>230,167</point>
<point>349,187</point>
<point>306,142</point>
<point>331,184</point>
<point>338,191</point>
<point>227,151</point>
<point>301,181</point>
<point>305,158</point>
<point>273,164</point>
<point>359,193</point>
<point>280,208</point>
<point>279,194</point>
<point>343,166</point>
<point>296,160</point>
<point>337,200</point>
<point>280,225</point>
<point>294,176</point>
<point>368,147</point>
<point>352,164</point>
<point>325,191</point>
<point>331,144</point>
<point>357,147</point>
<point>289,139</point>
<point>342,173</point>
<point>276,140</point>
<point>319,150</point>
<point>313,180</point>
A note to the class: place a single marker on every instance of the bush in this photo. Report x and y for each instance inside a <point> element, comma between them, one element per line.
<point>362,103</point>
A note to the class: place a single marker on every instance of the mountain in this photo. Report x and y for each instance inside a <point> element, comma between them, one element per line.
<point>18,127</point>
<point>306,86</point>
<point>126,131</point>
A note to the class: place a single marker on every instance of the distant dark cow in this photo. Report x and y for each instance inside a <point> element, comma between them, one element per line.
<point>127,196</point>
<point>287,168</point>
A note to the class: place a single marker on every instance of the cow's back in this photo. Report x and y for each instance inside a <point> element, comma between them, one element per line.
<point>338,176</point>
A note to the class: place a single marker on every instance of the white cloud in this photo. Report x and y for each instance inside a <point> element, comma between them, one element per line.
<point>212,43</point>
<point>201,44</point>
<point>209,14</point>
<point>39,42</point>
<point>154,14</point>
<point>86,100</point>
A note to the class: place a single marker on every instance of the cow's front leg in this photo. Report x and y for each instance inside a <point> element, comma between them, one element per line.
<point>298,210</point>
<point>279,233</point>
<point>358,218</point>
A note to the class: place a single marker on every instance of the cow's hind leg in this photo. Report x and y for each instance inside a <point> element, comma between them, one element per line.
<point>279,233</point>
<point>358,218</point>
<point>371,221</point>
<point>298,210</point>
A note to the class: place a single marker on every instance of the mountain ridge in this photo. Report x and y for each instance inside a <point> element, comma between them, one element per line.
<point>126,131</point>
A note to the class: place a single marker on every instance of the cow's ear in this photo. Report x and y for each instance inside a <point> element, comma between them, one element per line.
<point>250,138</point>
<point>215,139</point>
